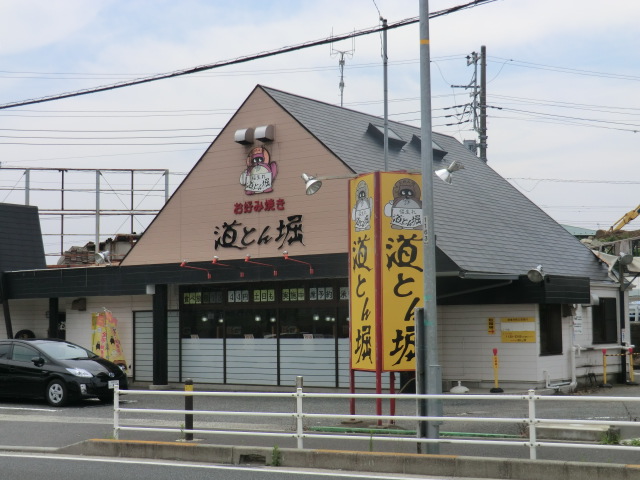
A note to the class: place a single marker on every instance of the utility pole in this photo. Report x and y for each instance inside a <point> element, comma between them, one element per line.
<point>386,93</point>
<point>479,102</point>
<point>483,104</point>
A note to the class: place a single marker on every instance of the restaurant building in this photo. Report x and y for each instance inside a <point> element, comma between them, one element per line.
<point>243,278</point>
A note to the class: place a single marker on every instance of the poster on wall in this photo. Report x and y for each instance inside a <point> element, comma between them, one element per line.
<point>104,338</point>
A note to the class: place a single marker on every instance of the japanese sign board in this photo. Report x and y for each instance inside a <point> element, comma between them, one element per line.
<point>386,269</point>
<point>363,274</point>
<point>518,329</point>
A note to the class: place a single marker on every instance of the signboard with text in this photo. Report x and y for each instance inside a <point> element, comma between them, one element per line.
<point>386,265</point>
<point>362,274</point>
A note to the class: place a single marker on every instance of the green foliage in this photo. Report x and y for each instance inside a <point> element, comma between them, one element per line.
<point>610,437</point>
<point>276,456</point>
<point>635,442</point>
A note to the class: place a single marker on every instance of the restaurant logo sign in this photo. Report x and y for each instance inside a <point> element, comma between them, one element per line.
<point>260,172</point>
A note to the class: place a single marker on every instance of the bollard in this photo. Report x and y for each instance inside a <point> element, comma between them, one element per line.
<point>604,370</point>
<point>496,388</point>
<point>188,406</point>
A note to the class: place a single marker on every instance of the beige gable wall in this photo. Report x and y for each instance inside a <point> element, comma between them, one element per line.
<point>184,229</point>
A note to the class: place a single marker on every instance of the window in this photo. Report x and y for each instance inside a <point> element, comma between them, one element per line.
<point>604,321</point>
<point>550,330</point>
<point>4,350</point>
<point>23,354</point>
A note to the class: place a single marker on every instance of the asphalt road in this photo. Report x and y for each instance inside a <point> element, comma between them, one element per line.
<point>35,425</point>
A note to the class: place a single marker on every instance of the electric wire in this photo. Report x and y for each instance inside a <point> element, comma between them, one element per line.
<point>239,60</point>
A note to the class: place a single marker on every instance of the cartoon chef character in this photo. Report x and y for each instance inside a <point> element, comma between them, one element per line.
<point>405,210</point>
<point>361,212</point>
<point>260,173</point>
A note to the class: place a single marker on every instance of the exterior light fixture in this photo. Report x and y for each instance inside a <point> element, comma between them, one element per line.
<point>316,317</point>
<point>221,320</point>
<point>258,318</point>
<point>285,254</point>
<point>103,258</point>
<point>536,275</point>
<point>445,173</point>
<point>216,262</point>
<point>248,260</point>
<point>625,258</point>
<point>312,184</point>
<point>184,265</point>
<point>272,319</point>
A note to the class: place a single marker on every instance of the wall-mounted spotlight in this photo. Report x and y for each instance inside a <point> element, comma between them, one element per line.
<point>216,262</point>
<point>184,265</point>
<point>445,173</point>
<point>536,275</point>
<point>258,318</point>
<point>312,184</point>
<point>286,256</point>
<point>248,260</point>
<point>625,258</point>
<point>316,317</point>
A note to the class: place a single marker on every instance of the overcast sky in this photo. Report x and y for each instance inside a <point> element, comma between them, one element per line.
<point>563,81</point>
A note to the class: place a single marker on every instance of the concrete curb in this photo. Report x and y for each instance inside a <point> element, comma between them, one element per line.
<point>446,465</point>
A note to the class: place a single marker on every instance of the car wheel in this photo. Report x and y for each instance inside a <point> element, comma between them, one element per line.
<point>22,334</point>
<point>57,393</point>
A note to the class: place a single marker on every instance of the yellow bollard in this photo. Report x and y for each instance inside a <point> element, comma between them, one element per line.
<point>631,372</point>
<point>496,388</point>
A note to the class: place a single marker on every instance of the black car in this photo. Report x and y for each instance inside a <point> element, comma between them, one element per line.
<point>56,370</point>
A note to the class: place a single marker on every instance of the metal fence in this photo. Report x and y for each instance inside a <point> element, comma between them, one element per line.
<point>528,424</point>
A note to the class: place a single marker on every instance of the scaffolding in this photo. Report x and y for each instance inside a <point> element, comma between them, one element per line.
<point>77,204</point>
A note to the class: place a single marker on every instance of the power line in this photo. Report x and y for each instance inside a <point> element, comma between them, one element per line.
<point>574,71</point>
<point>244,59</point>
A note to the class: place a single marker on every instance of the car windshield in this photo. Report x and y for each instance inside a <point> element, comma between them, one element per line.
<point>65,351</point>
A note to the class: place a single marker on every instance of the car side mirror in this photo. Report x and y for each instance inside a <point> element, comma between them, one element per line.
<point>38,361</point>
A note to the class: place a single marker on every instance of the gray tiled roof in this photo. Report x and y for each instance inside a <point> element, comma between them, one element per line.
<point>482,222</point>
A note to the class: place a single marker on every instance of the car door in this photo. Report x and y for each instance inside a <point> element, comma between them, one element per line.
<point>26,378</point>
<point>5,354</point>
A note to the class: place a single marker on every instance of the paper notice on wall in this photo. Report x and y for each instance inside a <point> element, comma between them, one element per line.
<point>104,340</point>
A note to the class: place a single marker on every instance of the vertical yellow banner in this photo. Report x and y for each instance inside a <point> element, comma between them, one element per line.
<point>362,273</point>
<point>401,267</point>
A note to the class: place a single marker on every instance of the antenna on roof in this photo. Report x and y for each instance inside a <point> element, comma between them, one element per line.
<point>341,62</point>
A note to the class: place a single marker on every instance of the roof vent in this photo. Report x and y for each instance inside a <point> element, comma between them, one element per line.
<point>244,136</point>
<point>438,152</point>
<point>266,133</point>
<point>394,138</point>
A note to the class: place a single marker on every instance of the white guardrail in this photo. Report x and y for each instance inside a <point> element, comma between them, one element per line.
<point>531,422</point>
